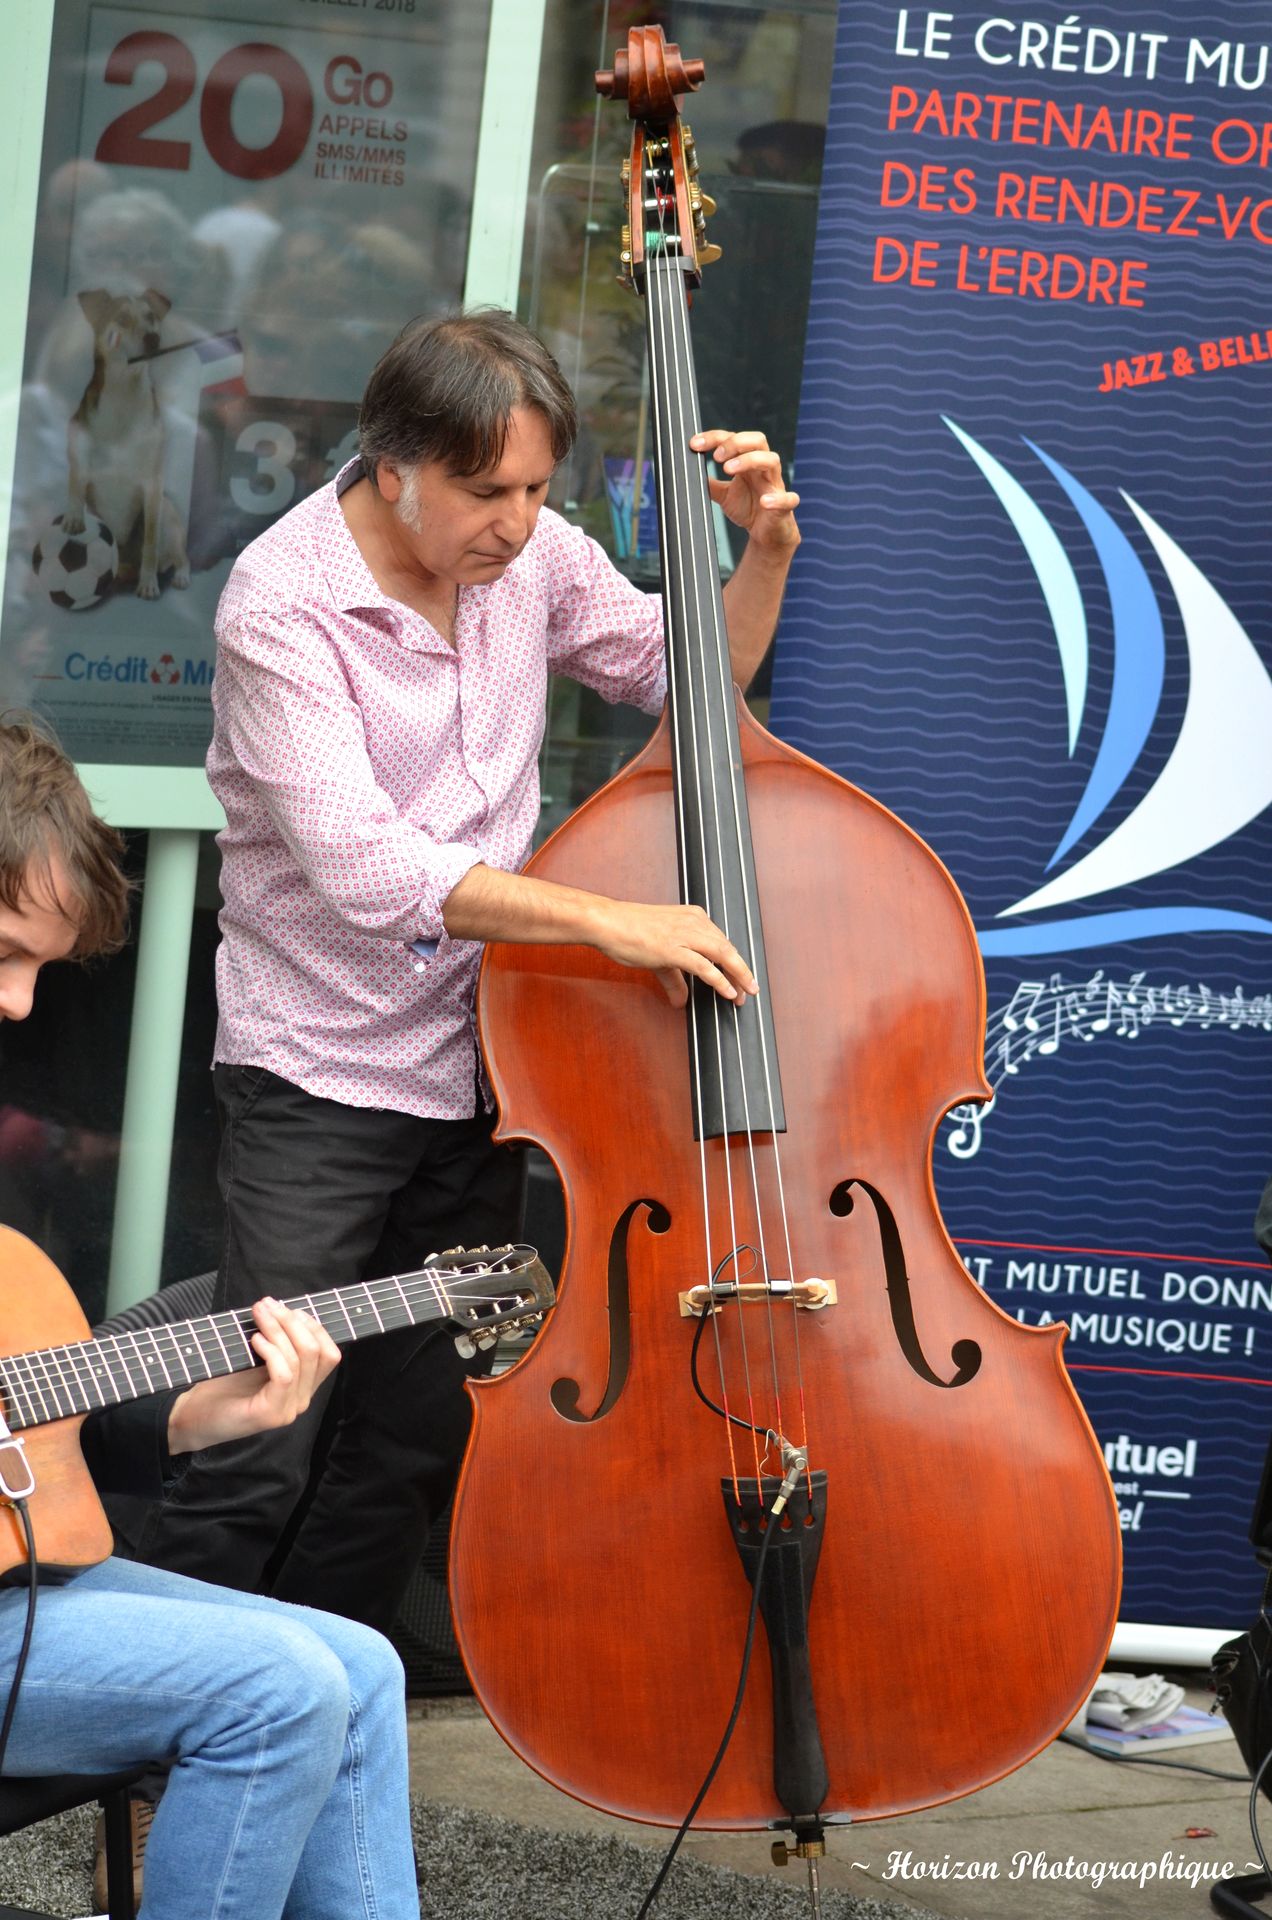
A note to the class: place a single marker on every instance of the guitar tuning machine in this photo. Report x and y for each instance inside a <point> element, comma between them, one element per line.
<point>468,1345</point>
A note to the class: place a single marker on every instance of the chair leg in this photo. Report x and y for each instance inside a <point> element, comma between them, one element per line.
<point>119,1875</point>
<point>1233,1897</point>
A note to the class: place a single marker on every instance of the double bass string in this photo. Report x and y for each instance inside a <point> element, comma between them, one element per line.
<point>680,421</point>
<point>661,467</point>
<point>725,673</point>
<point>677,424</point>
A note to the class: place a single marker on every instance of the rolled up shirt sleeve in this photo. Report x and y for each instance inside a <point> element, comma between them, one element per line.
<point>287,714</point>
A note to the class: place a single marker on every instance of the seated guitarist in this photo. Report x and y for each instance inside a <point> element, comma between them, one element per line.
<point>285,1728</point>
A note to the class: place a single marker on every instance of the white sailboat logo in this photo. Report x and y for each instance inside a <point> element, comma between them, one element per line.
<point>1218,777</point>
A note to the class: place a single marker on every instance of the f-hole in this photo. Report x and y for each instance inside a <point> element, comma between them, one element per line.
<point>965,1354</point>
<point>565,1392</point>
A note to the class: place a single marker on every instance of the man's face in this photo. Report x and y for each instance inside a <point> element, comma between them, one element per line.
<point>469,530</point>
<point>31,934</point>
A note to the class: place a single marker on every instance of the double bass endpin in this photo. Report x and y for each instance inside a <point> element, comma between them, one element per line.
<point>810,1850</point>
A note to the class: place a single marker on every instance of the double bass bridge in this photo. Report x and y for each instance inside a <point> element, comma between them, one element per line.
<point>812,1295</point>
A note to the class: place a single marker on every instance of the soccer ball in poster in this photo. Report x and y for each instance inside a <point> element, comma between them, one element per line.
<point>76,570</point>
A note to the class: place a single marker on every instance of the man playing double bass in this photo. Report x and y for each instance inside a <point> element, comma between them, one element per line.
<point>381,677</point>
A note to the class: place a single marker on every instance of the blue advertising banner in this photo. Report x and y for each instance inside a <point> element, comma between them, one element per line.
<point>1033,614</point>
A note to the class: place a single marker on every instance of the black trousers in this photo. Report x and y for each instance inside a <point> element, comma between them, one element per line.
<point>334,1511</point>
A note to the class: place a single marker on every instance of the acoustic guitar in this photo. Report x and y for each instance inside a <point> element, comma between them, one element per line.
<point>47,1390</point>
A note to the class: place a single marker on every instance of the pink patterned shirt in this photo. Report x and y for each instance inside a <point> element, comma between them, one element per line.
<point>364,766</point>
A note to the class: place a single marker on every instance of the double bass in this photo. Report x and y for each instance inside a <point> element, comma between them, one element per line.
<point>768,1367</point>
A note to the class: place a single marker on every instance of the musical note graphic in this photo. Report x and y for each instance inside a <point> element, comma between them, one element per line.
<point>1042,1013</point>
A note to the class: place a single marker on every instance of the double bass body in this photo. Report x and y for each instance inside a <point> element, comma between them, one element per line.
<point>968,1579</point>
<point>967,1583</point>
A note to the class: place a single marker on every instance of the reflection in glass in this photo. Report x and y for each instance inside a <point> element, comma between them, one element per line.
<point>235,220</point>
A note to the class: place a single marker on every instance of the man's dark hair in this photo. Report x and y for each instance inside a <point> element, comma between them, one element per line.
<point>46,814</point>
<point>446,390</point>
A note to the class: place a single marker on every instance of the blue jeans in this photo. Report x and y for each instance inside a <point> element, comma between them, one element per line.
<point>286,1729</point>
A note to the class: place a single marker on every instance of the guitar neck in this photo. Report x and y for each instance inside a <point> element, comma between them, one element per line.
<point>55,1383</point>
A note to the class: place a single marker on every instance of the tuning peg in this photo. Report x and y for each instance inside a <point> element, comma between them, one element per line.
<point>709,254</point>
<point>707,204</point>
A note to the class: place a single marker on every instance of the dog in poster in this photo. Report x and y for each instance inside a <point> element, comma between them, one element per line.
<point>115,443</point>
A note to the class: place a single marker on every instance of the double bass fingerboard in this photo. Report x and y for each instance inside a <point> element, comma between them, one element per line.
<point>732,1049</point>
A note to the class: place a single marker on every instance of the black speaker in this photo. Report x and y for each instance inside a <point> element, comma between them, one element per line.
<point>422,1631</point>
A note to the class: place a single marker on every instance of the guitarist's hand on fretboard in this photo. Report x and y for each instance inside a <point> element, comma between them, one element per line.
<point>298,1355</point>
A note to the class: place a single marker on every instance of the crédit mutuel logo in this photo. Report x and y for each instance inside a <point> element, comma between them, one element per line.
<point>136,670</point>
<point>1218,775</point>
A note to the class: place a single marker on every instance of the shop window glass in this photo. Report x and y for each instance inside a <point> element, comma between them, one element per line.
<point>759,122</point>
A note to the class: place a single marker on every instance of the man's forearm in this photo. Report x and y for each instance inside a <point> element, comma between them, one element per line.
<point>752,602</point>
<point>670,940</point>
<point>488,904</point>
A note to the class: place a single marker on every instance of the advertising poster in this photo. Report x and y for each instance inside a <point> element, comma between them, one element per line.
<point>239,209</point>
<point>1033,615</point>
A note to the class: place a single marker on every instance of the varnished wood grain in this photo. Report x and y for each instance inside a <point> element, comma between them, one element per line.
<point>970,1568</point>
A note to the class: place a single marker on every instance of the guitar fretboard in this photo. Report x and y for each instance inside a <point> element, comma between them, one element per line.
<point>54,1383</point>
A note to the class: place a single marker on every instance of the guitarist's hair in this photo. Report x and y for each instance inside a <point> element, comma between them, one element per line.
<point>46,814</point>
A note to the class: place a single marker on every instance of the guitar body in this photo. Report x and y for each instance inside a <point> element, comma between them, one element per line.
<point>38,1309</point>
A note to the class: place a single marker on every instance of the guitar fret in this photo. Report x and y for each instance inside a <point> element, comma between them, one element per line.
<point>210,1361</point>
<point>106,1360</point>
<point>186,1340</point>
<point>154,1344</point>
<point>338,1300</point>
<point>137,1356</point>
<point>54,1381</point>
<point>406,1308</point>
<point>104,1363</point>
<point>216,1334</point>
<point>17,1399</point>
<point>370,1298</point>
<point>174,1351</point>
<point>33,1382</point>
<point>87,1375</point>
<point>61,1384</point>
<point>240,1326</point>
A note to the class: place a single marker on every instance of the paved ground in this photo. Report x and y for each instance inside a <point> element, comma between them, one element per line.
<point>1041,1845</point>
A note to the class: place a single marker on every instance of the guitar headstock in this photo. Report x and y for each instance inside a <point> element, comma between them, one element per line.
<point>491,1290</point>
<point>667,210</point>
